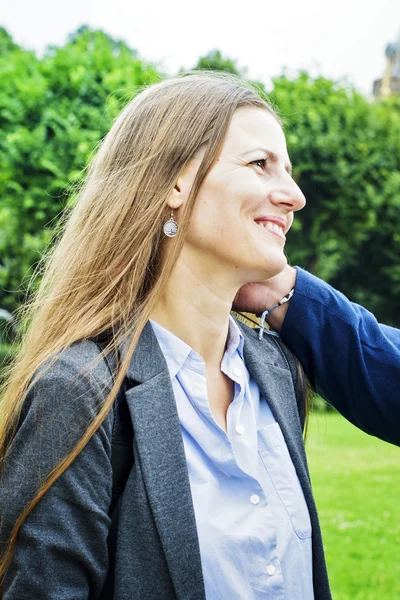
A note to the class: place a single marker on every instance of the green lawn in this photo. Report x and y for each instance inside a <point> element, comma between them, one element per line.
<point>356,482</point>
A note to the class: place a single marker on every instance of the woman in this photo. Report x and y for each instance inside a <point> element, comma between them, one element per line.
<point>189,198</point>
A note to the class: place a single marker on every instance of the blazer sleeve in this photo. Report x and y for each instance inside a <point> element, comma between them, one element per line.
<point>61,548</point>
<point>350,359</point>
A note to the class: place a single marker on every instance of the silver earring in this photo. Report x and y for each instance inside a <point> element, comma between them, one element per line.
<point>171,226</point>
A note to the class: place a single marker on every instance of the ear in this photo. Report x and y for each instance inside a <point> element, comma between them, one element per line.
<point>177,196</point>
<point>183,185</point>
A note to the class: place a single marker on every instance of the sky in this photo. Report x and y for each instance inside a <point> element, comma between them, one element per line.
<point>340,39</point>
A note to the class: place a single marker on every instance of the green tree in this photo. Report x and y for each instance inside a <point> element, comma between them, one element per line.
<point>53,113</point>
<point>373,278</point>
<point>23,92</point>
<point>216,62</point>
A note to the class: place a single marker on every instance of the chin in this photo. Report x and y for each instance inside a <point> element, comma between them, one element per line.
<point>272,267</point>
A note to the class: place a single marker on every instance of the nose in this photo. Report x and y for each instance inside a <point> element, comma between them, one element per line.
<point>288,194</point>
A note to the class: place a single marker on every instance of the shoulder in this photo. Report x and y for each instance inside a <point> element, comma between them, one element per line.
<point>270,347</point>
<point>83,357</point>
<point>68,387</point>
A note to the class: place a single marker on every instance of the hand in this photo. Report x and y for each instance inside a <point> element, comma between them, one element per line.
<point>257,297</point>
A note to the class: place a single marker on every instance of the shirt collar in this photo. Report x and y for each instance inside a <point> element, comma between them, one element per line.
<point>235,338</point>
<point>176,351</point>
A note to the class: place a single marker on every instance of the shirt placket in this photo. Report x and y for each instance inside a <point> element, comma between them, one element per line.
<point>241,423</point>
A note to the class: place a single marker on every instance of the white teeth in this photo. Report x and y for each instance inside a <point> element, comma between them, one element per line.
<point>271,226</point>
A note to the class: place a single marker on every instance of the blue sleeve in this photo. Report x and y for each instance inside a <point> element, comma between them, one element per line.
<point>350,359</point>
<point>61,548</point>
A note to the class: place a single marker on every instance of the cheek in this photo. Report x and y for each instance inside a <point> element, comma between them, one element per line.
<point>240,193</point>
<point>248,191</point>
<point>222,204</point>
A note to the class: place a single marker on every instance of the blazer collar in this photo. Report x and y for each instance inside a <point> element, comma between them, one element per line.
<point>147,360</point>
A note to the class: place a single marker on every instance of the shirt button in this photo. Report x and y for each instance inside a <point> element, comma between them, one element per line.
<point>239,429</point>
<point>237,372</point>
<point>271,570</point>
<point>254,499</point>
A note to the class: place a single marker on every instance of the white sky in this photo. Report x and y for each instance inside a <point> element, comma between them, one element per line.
<point>336,38</point>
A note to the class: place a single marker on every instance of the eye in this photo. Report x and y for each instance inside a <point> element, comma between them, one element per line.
<point>260,162</point>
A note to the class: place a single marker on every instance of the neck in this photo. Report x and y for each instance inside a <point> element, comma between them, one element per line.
<point>195,306</point>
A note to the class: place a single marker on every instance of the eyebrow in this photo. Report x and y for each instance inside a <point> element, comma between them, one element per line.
<point>271,156</point>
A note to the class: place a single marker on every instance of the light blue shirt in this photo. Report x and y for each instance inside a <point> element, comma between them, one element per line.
<point>252,520</point>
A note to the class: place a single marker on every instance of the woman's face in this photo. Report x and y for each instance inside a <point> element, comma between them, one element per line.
<point>245,205</point>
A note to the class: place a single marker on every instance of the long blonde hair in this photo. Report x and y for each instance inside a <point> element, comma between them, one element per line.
<point>103,271</point>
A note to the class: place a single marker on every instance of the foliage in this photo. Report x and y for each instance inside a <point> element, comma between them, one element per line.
<point>53,113</point>
<point>216,62</point>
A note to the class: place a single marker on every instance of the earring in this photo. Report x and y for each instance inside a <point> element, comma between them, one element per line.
<point>171,226</point>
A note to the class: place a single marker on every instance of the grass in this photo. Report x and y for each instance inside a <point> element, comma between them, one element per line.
<point>356,483</point>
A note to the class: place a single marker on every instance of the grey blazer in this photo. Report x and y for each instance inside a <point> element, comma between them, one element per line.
<point>61,551</point>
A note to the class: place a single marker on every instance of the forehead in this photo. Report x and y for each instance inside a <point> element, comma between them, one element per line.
<point>252,128</point>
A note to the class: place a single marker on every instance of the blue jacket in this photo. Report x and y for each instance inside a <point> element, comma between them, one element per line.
<point>350,359</point>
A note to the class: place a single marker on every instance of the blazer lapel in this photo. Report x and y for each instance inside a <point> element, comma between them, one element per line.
<point>157,431</point>
<point>263,359</point>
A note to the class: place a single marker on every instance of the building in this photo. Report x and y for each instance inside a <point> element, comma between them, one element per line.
<point>389,85</point>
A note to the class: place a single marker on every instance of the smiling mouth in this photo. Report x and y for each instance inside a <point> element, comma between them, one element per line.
<point>273,228</point>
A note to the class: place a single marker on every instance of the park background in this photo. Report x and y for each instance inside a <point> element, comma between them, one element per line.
<point>56,104</point>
